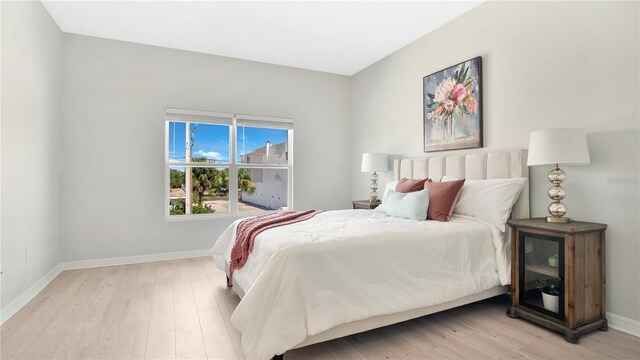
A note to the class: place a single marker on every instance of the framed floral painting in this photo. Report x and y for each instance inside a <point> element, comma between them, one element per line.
<point>453,107</point>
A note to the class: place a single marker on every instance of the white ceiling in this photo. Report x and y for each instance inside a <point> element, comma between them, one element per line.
<point>335,37</point>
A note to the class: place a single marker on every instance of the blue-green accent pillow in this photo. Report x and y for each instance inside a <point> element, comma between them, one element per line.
<point>412,206</point>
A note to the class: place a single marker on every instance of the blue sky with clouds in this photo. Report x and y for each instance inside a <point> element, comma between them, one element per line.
<point>212,141</point>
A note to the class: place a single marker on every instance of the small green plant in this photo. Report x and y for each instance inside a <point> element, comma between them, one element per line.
<point>179,208</point>
<point>202,209</point>
<point>549,286</point>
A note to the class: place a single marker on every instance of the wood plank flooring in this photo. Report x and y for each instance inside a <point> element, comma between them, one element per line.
<point>181,310</point>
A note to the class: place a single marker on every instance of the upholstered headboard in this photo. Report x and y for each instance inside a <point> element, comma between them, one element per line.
<point>487,165</point>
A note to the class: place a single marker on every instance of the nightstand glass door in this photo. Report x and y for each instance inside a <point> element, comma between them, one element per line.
<point>542,268</point>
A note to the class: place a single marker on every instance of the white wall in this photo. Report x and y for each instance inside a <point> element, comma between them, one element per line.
<point>545,65</point>
<point>114,95</point>
<point>31,151</point>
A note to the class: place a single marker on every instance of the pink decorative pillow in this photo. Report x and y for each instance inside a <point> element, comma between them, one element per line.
<point>407,185</point>
<point>443,197</point>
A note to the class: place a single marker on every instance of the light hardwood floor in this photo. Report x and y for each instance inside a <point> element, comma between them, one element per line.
<point>180,310</point>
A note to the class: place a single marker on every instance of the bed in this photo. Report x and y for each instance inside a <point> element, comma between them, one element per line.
<point>349,271</point>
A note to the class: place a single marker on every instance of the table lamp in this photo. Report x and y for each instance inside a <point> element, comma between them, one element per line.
<point>372,162</point>
<point>565,146</point>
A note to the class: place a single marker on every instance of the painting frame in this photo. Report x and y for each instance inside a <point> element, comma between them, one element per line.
<point>443,107</point>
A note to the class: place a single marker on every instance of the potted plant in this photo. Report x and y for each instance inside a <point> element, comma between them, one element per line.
<point>550,289</point>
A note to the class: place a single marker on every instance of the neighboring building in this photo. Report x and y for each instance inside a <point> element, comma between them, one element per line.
<point>270,184</point>
<point>175,194</point>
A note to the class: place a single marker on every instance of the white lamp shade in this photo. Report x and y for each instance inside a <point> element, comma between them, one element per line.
<point>374,162</point>
<point>565,146</point>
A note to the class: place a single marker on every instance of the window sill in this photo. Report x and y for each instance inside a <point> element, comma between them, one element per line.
<point>217,217</point>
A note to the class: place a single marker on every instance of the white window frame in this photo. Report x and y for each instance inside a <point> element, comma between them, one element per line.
<point>216,118</point>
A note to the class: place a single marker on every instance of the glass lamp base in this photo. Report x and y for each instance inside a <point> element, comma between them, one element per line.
<point>558,220</point>
<point>557,209</point>
<point>373,196</point>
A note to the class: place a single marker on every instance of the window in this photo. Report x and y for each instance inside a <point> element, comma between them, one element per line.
<point>226,164</point>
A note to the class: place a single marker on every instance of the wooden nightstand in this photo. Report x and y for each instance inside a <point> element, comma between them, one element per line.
<point>364,204</point>
<point>571,256</point>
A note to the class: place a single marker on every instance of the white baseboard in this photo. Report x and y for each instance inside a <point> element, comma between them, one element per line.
<point>136,259</point>
<point>624,324</point>
<point>12,308</point>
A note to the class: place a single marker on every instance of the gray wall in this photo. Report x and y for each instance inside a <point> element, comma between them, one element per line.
<point>114,95</point>
<point>31,152</point>
<point>545,65</point>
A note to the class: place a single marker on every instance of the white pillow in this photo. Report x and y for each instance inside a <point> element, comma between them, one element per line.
<point>449,178</point>
<point>391,185</point>
<point>412,206</point>
<point>490,200</point>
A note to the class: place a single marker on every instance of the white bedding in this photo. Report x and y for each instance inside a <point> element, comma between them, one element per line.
<point>347,265</point>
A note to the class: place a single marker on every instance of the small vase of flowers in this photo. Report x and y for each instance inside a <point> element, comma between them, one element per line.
<point>550,289</point>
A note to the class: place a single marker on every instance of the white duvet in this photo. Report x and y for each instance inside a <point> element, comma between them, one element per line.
<point>348,265</point>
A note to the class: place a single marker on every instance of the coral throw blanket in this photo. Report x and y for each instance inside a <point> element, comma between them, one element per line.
<point>247,231</point>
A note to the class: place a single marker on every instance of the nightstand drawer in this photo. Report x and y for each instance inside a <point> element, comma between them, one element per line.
<point>364,204</point>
